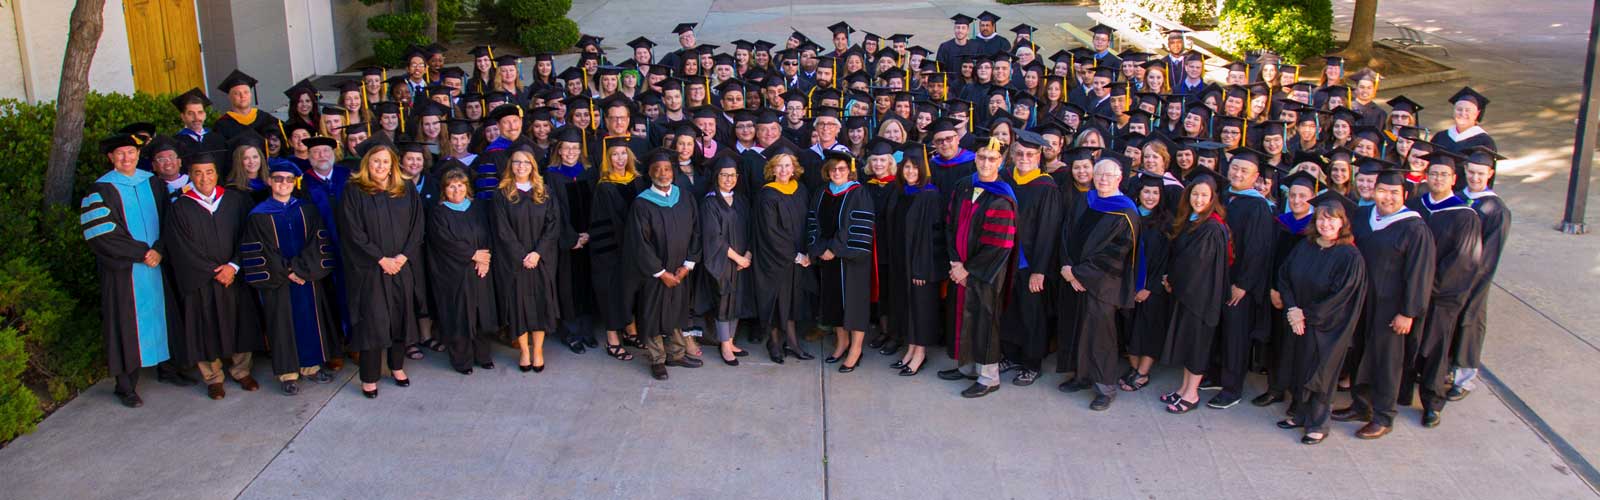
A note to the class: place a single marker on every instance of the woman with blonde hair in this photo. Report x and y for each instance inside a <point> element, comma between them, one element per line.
<point>380,232</point>
<point>619,183</point>
<point>781,254</point>
<point>527,225</point>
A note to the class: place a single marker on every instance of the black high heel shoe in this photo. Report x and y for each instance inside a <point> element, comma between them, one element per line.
<point>538,368</point>
<point>844,368</point>
<point>833,359</point>
<point>372,394</point>
<point>906,371</point>
<point>487,366</point>
<point>525,368</point>
<point>898,364</point>
<point>798,353</point>
<point>406,382</point>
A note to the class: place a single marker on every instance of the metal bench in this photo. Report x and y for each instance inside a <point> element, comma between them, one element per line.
<point>1410,39</point>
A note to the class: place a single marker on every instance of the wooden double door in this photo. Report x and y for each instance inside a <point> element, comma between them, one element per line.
<point>164,42</point>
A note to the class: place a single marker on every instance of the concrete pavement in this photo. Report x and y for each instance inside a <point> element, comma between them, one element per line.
<point>591,427</point>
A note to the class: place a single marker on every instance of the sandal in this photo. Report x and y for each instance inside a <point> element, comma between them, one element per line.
<point>1170,398</point>
<point>1131,382</point>
<point>433,344</point>
<point>616,351</point>
<point>1182,406</point>
<point>632,341</point>
<point>413,352</point>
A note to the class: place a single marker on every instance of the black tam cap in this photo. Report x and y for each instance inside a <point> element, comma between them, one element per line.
<point>682,27</point>
<point>193,95</point>
<point>234,79</point>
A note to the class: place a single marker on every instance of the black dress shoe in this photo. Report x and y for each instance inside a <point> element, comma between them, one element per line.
<point>832,359</point>
<point>897,364</point>
<point>1222,401</point>
<point>464,371</point>
<point>741,353</point>
<point>1456,393</point>
<point>889,349</point>
<point>1289,424</point>
<point>1075,385</point>
<point>537,368</point>
<point>576,345</point>
<point>406,382</point>
<point>1430,418</point>
<point>289,387</point>
<point>1308,440</point>
<point>1102,401</point>
<point>487,366</point>
<point>978,390</point>
<point>798,353</point>
<point>372,394</point>
<point>525,368</point>
<point>906,371</point>
<point>731,362</point>
<point>954,374</point>
<point>1267,398</point>
<point>685,362</point>
<point>659,372</point>
<point>131,400</point>
<point>844,368</point>
<point>776,358</point>
<point>878,342</point>
<point>1350,415</point>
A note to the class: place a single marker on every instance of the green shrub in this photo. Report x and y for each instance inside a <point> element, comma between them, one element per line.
<point>1295,29</point>
<point>398,25</point>
<point>19,409</point>
<point>549,37</point>
<point>391,52</point>
<point>534,12</point>
<point>1192,13</point>
<point>49,287</point>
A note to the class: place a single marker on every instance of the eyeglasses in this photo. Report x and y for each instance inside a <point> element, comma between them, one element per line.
<point>791,63</point>
<point>280,179</point>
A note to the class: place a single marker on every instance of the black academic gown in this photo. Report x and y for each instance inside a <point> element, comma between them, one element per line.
<point>229,127</point>
<point>1253,232</point>
<point>525,296</point>
<point>281,239</point>
<point>661,238</point>
<point>912,248</point>
<point>947,173</point>
<point>843,224</point>
<point>1495,225</point>
<point>1198,273</point>
<point>217,320</point>
<point>1458,248</point>
<point>981,235</point>
<point>373,226</point>
<point>1329,286</point>
<point>780,235</point>
<point>1100,248</point>
<point>121,218</point>
<point>573,195</point>
<point>1147,330</point>
<point>1399,254</point>
<point>608,213</point>
<point>1024,322</point>
<point>464,302</point>
<point>724,226</point>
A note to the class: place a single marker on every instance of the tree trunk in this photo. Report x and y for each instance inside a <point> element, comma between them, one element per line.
<point>1358,52</point>
<point>84,37</point>
<point>430,10</point>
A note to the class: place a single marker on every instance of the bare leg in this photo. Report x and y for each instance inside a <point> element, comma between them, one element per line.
<point>522,348</point>
<point>855,347</point>
<point>917,353</point>
<point>841,342</point>
<point>538,348</point>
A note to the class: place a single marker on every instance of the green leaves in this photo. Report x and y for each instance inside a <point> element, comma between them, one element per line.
<point>1295,29</point>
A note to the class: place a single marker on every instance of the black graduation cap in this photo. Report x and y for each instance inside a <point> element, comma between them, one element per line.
<point>289,128</point>
<point>351,85</point>
<point>320,140</point>
<point>480,51</point>
<point>1271,127</point>
<point>1079,153</point>
<point>1403,103</point>
<point>880,146</point>
<point>1202,175</point>
<point>1309,157</point>
<point>585,41</point>
<point>682,27</point>
<point>329,109</point>
<point>408,146</point>
<point>1027,139</point>
<point>234,79</point>
<point>919,50</point>
<point>386,108</point>
<point>1245,153</point>
<point>1483,155</point>
<point>114,141</point>
<point>703,112</point>
<point>1442,156</point>
<point>1302,178</point>
<point>1467,93</point>
<point>841,27</point>
<point>193,94</point>
<point>722,60</point>
<point>1105,72</point>
<point>943,124</point>
<point>961,19</point>
<point>456,127</point>
<point>1101,29</point>
<point>1340,153</point>
<point>204,157</point>
<point>569,134</point>
<point>1134,55</point>
<point>1023,29</point>
<point>763,45</point>
<point>1346,114</point>
<point>371,71</point>
<point>503,111</point>
<point>1229,121</point>
<point>826,112</point>
<point>988,16</point>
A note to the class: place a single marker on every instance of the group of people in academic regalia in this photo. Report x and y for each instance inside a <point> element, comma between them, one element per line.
<point>1116,210</point>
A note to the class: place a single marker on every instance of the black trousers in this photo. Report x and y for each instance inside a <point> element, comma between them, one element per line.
<point>1234,342</point>
<point>464,351</point>
<point>1024,330</point>
<point>127,383</point>
<point>372,362</point>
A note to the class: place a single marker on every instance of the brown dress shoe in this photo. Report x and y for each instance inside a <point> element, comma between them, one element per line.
<point>249,384</point>
<point>214,391</point>
<point>1373,430</point>
<point>335,364</point>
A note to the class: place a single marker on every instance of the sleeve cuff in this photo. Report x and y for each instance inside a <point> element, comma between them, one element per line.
<point>659,273</point>
<point>689,264</point>
<point>235,266</point>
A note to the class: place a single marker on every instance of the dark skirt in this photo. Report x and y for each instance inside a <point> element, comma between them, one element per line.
<point>1188,341</point>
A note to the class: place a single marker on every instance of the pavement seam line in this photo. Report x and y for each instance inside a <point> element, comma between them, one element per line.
<point>296,435</point>
<point>1575,461</point>
<point>1547,317</point>
<point>822,378</point>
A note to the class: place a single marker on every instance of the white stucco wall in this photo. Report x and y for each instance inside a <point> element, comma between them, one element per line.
<point>33,38</point>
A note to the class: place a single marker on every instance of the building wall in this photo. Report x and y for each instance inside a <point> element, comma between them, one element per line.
<point>216,43</point>
<point>351,37</point>
<point>33,39</point>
